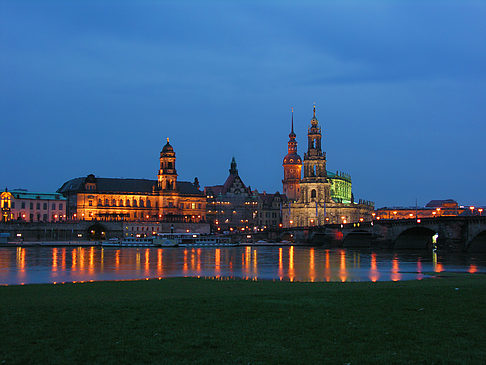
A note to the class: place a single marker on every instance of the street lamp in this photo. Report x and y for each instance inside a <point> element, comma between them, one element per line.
<point>480,210</point>
<point>472,210</point>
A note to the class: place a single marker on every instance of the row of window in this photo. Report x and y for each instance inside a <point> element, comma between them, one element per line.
<point>267,214</point>
<point>37,206</point>
<point>141,204</point>
<point>127,203</point>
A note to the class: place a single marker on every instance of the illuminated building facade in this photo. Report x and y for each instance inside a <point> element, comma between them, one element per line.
<point>434,208</point>
<point>25,206</point>
<point>323,197</point>
<point>164,199</point>
<point>232,206</point>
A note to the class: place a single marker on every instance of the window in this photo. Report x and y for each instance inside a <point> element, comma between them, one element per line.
<point>113,203</point>
<point>107,203</point>
<point>193,205</point>
<point>23,205</point>
<point>44,217</point>
<point>141,203</point>
<point>171,204</point>
<point>31,217</point>
<point>148,203</point>
<point>31,205</point>
<point>199,206</point>
<point>181,205</point>
<point>90,203</point>
<point>169,165</point>
<point>313,193</point>
<point>37,206</point>
<point>134,203</point>
<point>44,206</point>
<point>60,206</point>
<point>13,205</point>
<point>53,206</point>
<point>100,202</point>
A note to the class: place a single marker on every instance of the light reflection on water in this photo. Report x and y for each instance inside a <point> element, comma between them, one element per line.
<point>60,264</point>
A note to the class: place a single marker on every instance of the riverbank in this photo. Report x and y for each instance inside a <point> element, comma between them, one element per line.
<point>187,320</point>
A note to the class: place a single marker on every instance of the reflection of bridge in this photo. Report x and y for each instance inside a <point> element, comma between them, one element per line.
<point>454,233</point>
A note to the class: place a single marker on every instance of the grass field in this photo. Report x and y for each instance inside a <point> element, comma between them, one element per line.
<point>177,321</point>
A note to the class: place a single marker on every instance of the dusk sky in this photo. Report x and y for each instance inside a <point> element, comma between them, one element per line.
<point>98,86</point>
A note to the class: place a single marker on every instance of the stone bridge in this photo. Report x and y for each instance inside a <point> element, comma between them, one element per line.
<point>454,233</point>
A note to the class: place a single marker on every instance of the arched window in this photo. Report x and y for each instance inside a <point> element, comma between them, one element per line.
<point>148,203</point>
<point>169,165</point>
<point>107,203</point>
<point>134,203</point>
<point>141,203</point>
<point>313,194</point>
<point>128,202</point>
<point>100,202</point>
<point>113,203</point>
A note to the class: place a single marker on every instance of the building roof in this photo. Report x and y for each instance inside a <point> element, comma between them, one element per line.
<point>118,185</point>
<point>440,203</point>
<point>24,194</point>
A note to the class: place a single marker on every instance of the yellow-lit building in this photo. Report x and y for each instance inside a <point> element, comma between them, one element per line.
<point>164,199</point>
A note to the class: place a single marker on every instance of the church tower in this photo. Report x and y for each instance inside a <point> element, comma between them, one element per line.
<point>315,186</point>
<point>314,159</point>
<point>167,176</point>
<point>292,165</point>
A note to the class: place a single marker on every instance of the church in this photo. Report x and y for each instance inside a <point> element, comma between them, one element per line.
<point>165,199</point>
<point>320,196</point>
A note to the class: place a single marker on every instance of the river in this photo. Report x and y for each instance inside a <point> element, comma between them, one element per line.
<point>28,265</point>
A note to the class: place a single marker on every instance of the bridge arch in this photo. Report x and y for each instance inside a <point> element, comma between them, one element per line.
<point>96,232</point>
<point>417,237</point>
<point>477,243</point>
<point>358,238</point>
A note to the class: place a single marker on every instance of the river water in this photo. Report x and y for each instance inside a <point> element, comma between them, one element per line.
<point>27,265</point>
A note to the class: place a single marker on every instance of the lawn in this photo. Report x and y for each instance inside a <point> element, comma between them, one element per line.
<point>185,320</point>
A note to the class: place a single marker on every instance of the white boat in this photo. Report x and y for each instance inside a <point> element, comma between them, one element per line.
<point>129,242</point>
<point>174,239</point>
<point>213,240</point>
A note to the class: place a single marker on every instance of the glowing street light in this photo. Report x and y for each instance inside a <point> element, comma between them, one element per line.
<point>480,210</point>
<point>472,210</point>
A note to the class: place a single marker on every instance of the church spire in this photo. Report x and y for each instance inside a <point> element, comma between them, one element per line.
<point>233,170</point>
<point>292,134</point>
<point>292,119</point>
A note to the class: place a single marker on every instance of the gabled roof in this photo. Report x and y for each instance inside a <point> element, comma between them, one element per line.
<point>216,189</point>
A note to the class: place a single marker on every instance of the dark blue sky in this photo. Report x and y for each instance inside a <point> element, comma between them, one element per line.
<point>97,86</point>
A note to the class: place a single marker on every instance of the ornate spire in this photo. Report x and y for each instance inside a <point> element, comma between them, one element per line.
<point>292,119</point>
<point>314,110</point>
<point>233,170</point>
<point>292,134</point>
<point>167,139</point>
